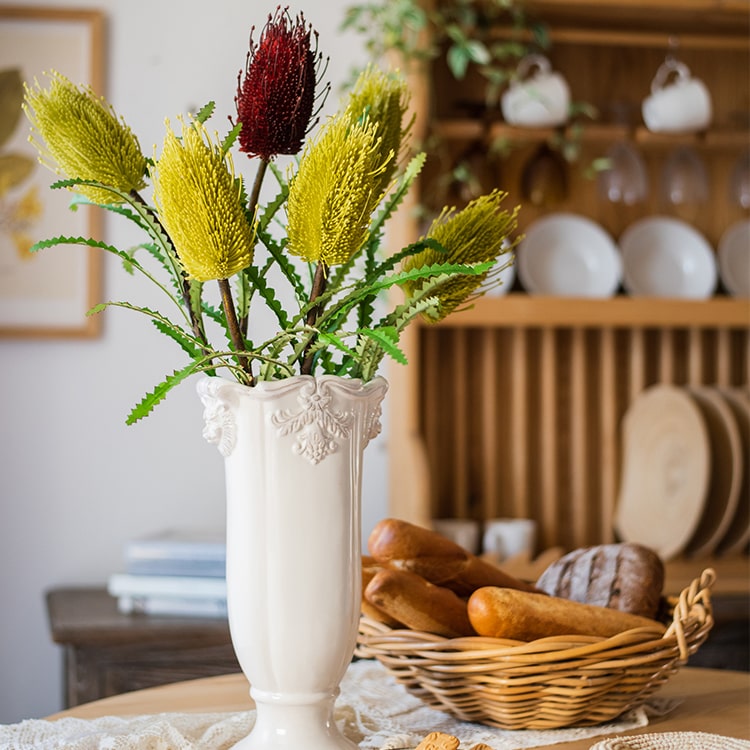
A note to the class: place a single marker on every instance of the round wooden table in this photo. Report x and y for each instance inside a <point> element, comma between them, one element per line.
<point>714,701</point>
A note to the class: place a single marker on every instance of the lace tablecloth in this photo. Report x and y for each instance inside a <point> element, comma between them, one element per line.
<point>373,710</point>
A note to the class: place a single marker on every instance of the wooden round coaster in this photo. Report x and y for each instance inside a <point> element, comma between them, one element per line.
<point>666,465</point>
<point>738,534</point>
<point>726,472</point>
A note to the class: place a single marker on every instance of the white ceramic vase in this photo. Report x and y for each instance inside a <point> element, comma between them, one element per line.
<point>293,454</point>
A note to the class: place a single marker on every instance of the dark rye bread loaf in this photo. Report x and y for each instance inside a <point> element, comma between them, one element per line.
<point>627,577</point>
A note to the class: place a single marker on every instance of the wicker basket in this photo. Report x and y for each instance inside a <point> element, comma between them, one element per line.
<point>548,683</point>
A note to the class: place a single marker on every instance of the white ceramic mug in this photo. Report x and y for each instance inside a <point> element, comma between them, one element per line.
<point>536,99</point>
<point>462,531</point>
<point>508,537</point>
<point>679,104</point>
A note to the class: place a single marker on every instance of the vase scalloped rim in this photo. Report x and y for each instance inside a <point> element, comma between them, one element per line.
<point>314,396</point>
<point>266,388</point>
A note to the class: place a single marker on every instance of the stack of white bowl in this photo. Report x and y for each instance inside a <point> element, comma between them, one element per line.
<point>570,255</point>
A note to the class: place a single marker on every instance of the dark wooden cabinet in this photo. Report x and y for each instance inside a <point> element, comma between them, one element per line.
<point>106,652</point>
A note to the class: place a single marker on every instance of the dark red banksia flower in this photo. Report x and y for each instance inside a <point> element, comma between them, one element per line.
<point>276,97</point>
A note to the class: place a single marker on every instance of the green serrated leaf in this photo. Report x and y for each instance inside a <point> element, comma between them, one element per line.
<point>146,405</point>
<point>230,138</point>
<point>337,342</point>
<point>187,343</point>
<point>386,338</point>
<point>205,112</point>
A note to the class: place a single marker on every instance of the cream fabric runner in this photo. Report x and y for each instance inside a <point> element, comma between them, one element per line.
<point>373,710</point>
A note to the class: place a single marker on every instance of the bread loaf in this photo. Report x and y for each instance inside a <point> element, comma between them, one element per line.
<point>525,616</point>
<point>369,569</point>
<point>418,604</point>
<point>627,577</point>
<point>436,558</point>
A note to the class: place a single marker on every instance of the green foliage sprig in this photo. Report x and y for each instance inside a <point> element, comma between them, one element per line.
<point>462,30</point>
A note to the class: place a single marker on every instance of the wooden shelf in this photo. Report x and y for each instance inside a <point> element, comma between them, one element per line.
<point>514,407</point>
<point>660,40</point>
<point>468,129</point>
<point>525,310</point>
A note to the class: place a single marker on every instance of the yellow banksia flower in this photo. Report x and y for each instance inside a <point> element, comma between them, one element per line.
<point>79,135</point>
<point>334,192</point>
<point>478,233</point>
<point>200,205</point>
<point>384,100</point>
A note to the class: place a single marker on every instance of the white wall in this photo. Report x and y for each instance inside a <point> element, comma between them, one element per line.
<point>75,481</point>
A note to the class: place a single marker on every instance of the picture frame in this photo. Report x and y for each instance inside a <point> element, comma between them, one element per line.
<point>47,293</point>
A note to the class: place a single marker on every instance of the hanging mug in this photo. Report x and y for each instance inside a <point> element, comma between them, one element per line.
<point>677,105</point>
<point>538,97</point>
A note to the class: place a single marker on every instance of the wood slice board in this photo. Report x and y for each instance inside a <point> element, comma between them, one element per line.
<point>666,467</point>
<point>726,472</point>
<point>738,535</point>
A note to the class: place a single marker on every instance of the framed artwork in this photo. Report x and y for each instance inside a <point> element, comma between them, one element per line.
<point>49,292</point>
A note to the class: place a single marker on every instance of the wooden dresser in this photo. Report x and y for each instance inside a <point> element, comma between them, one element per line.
<point>106,652</point>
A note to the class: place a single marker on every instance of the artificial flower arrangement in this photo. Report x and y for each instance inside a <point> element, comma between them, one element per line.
<point>202,225</point>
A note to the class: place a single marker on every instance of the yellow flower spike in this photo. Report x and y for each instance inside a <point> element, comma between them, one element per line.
<point>200,205</point>
<point>78,134</point>
<point>384,100</point>
<point>334,192</point>
<point>478,233</point>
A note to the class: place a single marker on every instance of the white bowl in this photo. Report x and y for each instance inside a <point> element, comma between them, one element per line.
<point>568,255</point>
<point>734,259</point>
<point>666,257</point>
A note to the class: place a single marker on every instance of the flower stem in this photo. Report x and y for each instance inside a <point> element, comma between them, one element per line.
<point>319,286</point>
<point>252,206</point>
<point>255,194</point>
<point>234,327</point>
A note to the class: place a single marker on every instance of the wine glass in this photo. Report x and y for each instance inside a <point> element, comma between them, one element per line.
<point>739,181</point>
<point>684,180</point>
<point>544,179</point>
<point>470,173</point>
<point>624,179</point>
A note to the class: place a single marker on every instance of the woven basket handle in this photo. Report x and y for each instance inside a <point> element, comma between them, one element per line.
<point>694,603</point>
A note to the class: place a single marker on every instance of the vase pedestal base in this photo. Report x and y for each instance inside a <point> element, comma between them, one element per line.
<point>294,723</point>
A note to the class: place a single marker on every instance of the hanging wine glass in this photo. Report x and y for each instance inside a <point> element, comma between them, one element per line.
<point>544,179</point>
<point>739,182</point>
<point>624,178</point>
<point>470,173</point>
<point>684,179</point>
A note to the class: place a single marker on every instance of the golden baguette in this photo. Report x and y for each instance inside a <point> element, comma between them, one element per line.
<point>369,569</point>
<point>524,616</point>
<point>418,604</point>
<point>400,544</point>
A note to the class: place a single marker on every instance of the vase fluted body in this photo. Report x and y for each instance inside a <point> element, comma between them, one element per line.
<point>293,452</point>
